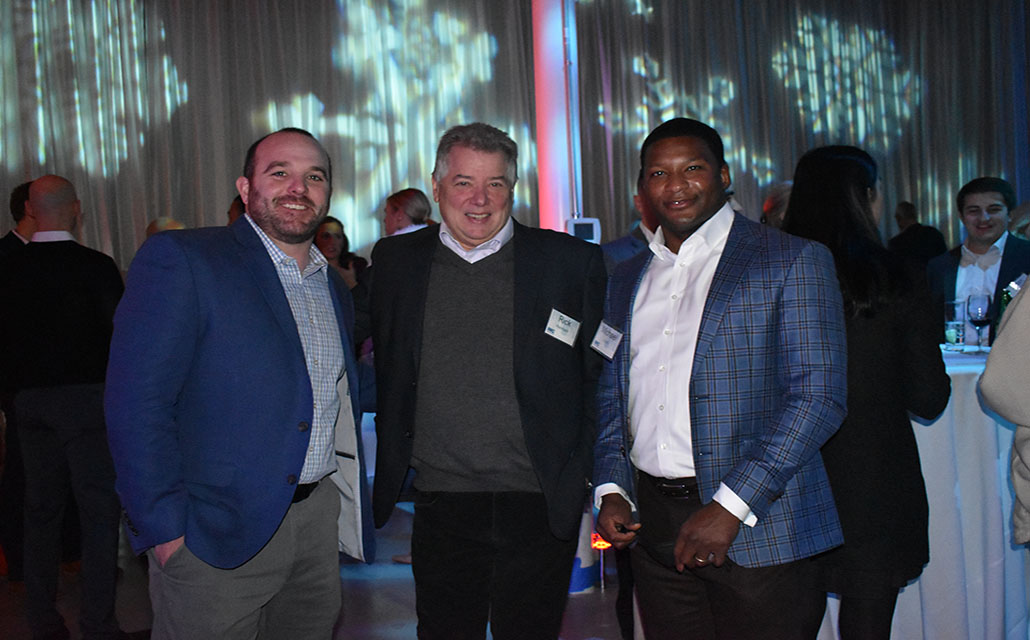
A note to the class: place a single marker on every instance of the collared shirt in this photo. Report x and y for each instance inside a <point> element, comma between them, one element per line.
<point>23,239</point>
<point>53,236</point>
<point>475,254</point>
<point>312,308</point>
<point>411,228</point>
<point>667,312</point>
<point>972,277</point>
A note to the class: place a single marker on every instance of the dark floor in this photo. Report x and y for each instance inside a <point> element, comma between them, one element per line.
<point>378,599</point>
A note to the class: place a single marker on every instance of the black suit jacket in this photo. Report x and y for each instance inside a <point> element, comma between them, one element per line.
<point>555,384</point>
<point>56,319</point>
<point>10,243</point>
<point>918,241</point>
<point>942,273</point>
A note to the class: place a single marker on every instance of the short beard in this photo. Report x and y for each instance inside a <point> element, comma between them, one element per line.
<point>271,225</point>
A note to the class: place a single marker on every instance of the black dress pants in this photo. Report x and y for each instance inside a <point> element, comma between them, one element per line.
<point>480,557</point>
<point>63,437</point>
<point>730,602</point>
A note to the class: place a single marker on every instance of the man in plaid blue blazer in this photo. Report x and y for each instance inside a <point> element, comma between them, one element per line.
<point>727,374</point>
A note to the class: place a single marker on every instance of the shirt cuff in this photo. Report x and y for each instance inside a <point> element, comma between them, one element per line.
<point>602,490</point>
<point>732,503</point>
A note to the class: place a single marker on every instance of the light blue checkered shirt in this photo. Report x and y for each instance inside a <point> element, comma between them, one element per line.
<point>312,307</point>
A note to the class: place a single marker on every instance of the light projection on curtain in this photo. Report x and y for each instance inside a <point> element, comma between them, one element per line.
<point>96,113</point>
<point>411,68</point>
<point>663,100</point>
<point>850,83</point>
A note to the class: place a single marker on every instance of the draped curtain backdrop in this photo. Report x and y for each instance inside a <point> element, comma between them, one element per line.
<point>936,91</point>
<point>149,106</point>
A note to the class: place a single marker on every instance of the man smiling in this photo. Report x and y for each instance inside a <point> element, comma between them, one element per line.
<point>729,376</point>
<point>989,258</point>
<point>482,330</point>
<point>232,382</point>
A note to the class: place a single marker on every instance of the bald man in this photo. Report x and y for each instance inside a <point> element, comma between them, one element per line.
<point>55,330</point>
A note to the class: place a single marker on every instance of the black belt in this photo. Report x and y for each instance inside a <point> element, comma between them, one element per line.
<point>303,491</point>
<point>672,487</point>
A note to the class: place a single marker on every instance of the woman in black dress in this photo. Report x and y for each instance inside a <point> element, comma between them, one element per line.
<point>894,367</point>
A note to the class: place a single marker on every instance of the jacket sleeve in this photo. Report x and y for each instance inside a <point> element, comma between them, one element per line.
<point>155,334</point>
<point>811,376</point>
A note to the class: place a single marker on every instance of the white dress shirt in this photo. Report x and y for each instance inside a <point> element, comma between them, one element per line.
<point>978,274</point>
<point>475,254</point>
<point>667,314</point>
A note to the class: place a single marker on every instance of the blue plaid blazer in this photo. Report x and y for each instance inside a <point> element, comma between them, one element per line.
<point>768,388</point>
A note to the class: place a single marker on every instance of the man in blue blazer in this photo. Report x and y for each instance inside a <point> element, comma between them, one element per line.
<point>727,374</point>
<point>231,397</point>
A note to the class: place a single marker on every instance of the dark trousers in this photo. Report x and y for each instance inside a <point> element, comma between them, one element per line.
<point>481,557</point>
<point>64,439</point>
<point>730,602</point>
<point>12,495</point>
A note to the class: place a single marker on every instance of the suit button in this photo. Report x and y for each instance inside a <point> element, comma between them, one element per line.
<point>303,426</point>
<point>291,479</point>
<point>407,434</point>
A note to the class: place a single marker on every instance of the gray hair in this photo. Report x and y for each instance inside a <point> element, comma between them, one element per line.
<point>479,137</point>
<point>413,203</point>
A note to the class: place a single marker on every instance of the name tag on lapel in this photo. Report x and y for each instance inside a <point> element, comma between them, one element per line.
<point>562,327</point>
<point>606,340</point>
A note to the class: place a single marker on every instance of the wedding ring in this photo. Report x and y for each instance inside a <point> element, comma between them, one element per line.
<point>700,560</point>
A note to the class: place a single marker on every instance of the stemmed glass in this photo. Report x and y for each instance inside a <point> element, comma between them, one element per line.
<point>978,311</point>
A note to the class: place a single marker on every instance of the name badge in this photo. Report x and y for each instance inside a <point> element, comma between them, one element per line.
<point>562,327</point>
<point>606,340</point>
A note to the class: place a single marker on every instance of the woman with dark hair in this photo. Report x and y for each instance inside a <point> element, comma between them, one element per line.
<point>334,245</point>
<point>894,367</point>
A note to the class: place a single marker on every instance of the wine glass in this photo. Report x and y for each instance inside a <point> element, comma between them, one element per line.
<point>978,311</point>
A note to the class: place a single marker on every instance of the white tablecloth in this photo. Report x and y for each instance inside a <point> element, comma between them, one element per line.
<point>975,585</point>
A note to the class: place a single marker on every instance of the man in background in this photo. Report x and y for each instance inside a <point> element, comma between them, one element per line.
<point>989,258</point>
<point>232,396</point>
<point>55,330</point>
<point>406,211</point>
<point>915,240</point>
<point>24,227</point>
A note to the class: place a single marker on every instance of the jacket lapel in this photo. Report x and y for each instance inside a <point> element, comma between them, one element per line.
<point>526,287</point>
<point>741,247</point>
<point>255,256</point>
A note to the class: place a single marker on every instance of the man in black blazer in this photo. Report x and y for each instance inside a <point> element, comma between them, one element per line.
<point>55,330</point>
<point>12,480</point>
<point>919,241</point>
<point>24,227</point>
<point>486,382</point>
<point>989,258</point>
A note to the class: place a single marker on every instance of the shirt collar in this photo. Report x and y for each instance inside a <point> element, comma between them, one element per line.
<point>316,261</point>
<point>52,236</point>
<point>712,233</point>
<point>491,246</point>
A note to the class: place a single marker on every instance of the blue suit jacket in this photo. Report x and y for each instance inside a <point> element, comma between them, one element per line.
<point>768,388</point>
<point>208,398</point>
<point>623,248</point>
